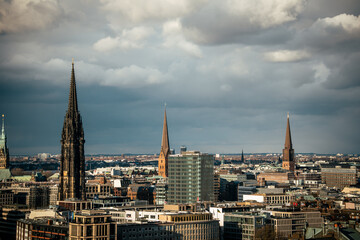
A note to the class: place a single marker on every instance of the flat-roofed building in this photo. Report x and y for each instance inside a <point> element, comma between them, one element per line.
<point>278,177</point>
<point>75,204</point>
<point>43,228</point>
<point>92,224</point>
<point>287,222</point>
<point>147,231</point>
<point>282,199</point>
<point>339,176</point>
<point>190,177</point>
<point>192,226</point>
<point>242,225</point>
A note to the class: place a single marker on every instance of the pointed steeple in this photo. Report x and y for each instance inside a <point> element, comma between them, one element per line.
<point>242,156</point>
<point>165,146</point>
<point>73,106</point>
<point>72,161</point>
<point>165,149</point>
<point>3,135</point>
<point>288,151</point>
<point>288,142</point>
<point>4,151</point>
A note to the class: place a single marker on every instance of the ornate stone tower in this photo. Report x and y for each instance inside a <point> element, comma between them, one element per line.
<point>165,150</point>
<point>288,151</point>
<point>72,162</point>
<point>4,151</point>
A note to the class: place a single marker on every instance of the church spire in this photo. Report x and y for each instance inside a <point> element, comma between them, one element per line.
<point>288,142</point>
<point>165,149</point>
<point>4,151</point>
<point>242,156</point>
<point>288,151</point>
<point>3,135</point>
<point>73,106</point>
<point>72,161</point>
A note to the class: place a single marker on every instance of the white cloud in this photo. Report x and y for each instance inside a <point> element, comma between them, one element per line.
<point>133,76</point>
<point>265,13</point>
<point>129,39</point>
<point>221,21</point>
<point>350,23</point>
<point>18,15</point>
<point>327,32</point>
<point>144,10</point>
<point>173,37</point>
<point>286,56</point>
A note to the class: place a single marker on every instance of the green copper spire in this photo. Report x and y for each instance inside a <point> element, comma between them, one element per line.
<point>4,151</point>
<point>3,135</point>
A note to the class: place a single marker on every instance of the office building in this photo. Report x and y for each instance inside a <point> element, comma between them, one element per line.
<point>42,228</point>
<point>288,222</point>
<point>242,225</point>
<point>191,177</point>
<point>339,176</point>
<point>192,226</point>
<point>92,224</point>
<point>72,161</point>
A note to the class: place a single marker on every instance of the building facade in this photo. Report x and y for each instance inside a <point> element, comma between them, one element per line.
<point>36,229</point>
<point>92,224</point>
<point>72,161</point>
<point>286,223</point>
<point>339,176</point>
<point>191,178</point>
<point>242,225</point>
<point>192,226</point>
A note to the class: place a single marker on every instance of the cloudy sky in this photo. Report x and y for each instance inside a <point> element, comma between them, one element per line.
<point>229,71</point>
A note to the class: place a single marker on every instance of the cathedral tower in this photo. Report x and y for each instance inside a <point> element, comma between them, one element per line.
<point>4,151</point>
<point>165,150</point>
<point>72,162</point>
<point>288,151</point>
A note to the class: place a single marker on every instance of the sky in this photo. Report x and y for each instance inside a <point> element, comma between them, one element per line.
<point>228,71</point>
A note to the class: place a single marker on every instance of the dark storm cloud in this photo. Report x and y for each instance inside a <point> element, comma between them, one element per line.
<point>228,80</point>
<point>346,74</point>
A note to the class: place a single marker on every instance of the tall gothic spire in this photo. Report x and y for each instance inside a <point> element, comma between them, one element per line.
<point>72,162</point>
<point>73,106</point>
<point>288,151</point>
<point>165,149</point>
<point>288,142</point>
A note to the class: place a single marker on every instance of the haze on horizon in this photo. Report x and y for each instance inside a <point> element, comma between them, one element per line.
<point>228,80</point>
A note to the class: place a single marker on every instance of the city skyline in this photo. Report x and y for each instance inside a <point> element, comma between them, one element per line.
<point>228,84</point>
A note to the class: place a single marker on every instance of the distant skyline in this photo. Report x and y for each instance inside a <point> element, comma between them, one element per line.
<point>228,80</point>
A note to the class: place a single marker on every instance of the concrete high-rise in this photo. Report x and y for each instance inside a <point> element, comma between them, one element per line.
<point>4,151</point>
<point>191,178</point>
<point>72,161</point>
<point>288,151</point>
<point>165,150</point>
